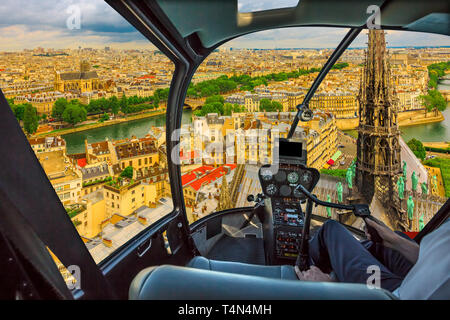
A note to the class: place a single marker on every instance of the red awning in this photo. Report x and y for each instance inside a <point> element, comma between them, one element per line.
<point>82,162</point>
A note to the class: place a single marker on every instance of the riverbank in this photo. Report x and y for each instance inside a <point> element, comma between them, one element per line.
<point>405,119</point>
<point>413,118</point>
<point>96,125</point>
<point>441,145</point>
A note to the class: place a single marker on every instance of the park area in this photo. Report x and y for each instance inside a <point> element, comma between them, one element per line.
<point>443,164</point>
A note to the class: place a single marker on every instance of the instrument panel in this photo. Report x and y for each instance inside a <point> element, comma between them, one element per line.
<point>281,183</point>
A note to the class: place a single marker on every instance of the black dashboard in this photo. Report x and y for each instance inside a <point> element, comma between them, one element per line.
<point>279,185</point>
<point>280,181</point>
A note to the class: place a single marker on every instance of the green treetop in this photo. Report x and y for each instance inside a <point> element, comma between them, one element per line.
<point>30,119</point>
<point>127,172</point>
<point>417,148</point>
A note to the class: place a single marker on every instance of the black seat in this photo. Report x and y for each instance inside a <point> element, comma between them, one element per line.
<point>274,272</point>
<point>182,283</point>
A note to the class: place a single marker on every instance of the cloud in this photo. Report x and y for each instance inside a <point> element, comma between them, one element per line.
<point>33,23</point>
<point>322,37</point>
<point>29,24</point>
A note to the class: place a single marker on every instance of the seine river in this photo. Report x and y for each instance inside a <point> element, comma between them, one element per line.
<point>75,141</point>
<point>439,131</point>
<point>138,128</point>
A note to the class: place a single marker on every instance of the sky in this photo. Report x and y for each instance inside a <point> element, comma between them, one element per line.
<point>27,24</point>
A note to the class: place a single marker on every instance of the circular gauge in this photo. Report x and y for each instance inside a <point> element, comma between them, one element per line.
<point>297,193</point>
<point>306,177</point>
<point>280,176</point>
<point>292,177</point>
<point>266,174</point>
<point>285,190</point>
<point>271,189</point>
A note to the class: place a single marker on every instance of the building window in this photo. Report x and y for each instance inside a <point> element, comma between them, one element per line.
<point>112,204</point>
<point>139,161</point>
<point>133,200</point>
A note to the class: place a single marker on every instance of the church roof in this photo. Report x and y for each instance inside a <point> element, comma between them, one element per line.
<point>79,75</point>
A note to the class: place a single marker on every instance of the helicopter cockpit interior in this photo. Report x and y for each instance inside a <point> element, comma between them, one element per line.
<point>192,250</point>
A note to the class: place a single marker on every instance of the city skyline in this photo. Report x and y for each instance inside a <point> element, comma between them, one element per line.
<point>44,24</point>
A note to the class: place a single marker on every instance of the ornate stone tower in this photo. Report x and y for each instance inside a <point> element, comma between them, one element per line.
<point>378,149</point>
<point>84,66</point>
<point>224,196</point>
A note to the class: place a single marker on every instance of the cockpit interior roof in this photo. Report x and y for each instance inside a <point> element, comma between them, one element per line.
<point>216,21</point>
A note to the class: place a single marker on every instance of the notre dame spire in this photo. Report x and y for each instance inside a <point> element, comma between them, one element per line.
<point>378,148</point>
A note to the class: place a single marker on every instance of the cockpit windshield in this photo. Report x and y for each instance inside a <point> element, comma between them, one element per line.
<point>243,98</point>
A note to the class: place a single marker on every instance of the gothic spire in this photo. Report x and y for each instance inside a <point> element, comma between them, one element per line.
<point>375,86</point>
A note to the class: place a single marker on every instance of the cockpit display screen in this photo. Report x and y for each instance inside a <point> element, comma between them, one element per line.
<point>290,149</point>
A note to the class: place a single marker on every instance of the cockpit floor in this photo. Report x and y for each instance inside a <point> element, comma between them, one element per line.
<point>246,250</point>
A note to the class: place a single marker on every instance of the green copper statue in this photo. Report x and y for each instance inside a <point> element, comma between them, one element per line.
<point>340,190</point>
<point>404,170</point>
<point>421,224</point>
<point>401,187</point>
<point>435,183</point>
<point>424,188</point>
<point>414,181</point>
<point>353,166</point>
<point>410,207</point>
<point>328,208</point>
<point>349,177</point>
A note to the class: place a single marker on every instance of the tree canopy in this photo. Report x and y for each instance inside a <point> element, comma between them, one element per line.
<point>216,104</point>
<point>58,108</point>
<point>270,105</point>
<point>74,114</point>
<point>434,99</point>
<point>417,148</point>
<point>127,172</point>
<point>30,118</point>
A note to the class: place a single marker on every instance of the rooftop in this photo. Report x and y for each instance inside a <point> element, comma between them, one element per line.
<point>94,171</point>
<point>133,149</point>
<point>121,232</point>
<point>56,167</point>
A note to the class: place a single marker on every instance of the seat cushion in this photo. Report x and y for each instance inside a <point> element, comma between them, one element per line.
<point>181,283</point>
<point>274,272</point>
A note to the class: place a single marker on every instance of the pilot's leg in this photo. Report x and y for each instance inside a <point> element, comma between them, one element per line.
<point>334,248</point>
<point>392,259</point>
